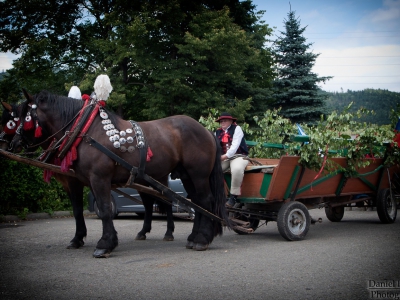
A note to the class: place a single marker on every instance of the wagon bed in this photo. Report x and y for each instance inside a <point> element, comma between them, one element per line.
<point>276,180</point>
<point>282,190</point>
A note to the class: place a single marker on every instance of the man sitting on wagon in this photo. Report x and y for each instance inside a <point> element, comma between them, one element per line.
<point>232,141</point>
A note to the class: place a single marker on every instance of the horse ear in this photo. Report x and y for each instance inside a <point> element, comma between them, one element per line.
<point>6,106</point>
<point>27,95</point>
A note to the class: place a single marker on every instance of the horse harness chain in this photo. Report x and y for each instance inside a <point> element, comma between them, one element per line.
<point>120,138</point>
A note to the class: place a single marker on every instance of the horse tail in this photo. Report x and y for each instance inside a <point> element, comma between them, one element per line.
<point>218,190</point>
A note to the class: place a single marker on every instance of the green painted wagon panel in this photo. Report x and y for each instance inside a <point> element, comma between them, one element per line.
<point>255,185</point>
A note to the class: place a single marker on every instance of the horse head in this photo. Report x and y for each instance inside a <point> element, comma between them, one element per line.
<point>26,136</point>
<point>9,123</point>
<point>44,117</point>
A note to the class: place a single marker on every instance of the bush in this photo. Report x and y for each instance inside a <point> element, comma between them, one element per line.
<point>24,190</point>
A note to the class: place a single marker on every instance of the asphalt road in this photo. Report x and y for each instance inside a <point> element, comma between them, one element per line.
<point>344,260</point>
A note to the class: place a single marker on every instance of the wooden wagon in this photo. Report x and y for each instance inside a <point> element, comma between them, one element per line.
<point>282,190</point>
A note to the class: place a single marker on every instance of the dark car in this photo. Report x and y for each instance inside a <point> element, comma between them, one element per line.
<point>121,203</point>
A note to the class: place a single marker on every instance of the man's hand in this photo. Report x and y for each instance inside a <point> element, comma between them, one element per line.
<point>224,157</point>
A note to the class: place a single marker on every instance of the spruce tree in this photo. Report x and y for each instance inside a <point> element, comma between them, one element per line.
<point>295,86</point>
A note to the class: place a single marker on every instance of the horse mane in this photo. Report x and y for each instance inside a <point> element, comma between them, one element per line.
<point>65,106</point>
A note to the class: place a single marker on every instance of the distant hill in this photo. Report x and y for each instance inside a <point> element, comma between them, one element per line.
<point>380,101</point>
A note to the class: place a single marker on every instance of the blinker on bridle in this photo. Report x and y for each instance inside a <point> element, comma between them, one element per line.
<point>28,124</point>
<point>10,128</point>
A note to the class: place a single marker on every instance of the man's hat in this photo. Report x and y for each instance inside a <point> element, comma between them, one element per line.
<point>226,115</point>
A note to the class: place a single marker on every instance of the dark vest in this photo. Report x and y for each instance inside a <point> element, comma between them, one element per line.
<point>226,140</point>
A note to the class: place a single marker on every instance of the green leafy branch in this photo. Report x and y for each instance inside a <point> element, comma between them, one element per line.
<point>272,129</point>
<point>341,135</point>
<point>335,135</point>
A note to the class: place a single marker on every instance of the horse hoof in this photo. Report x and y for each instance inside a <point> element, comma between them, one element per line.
<point>168,238</point>
<point>140,237</point>
<point>189,245</point>
<point>101,253</point>
<point>200,247</point>
<point>75,245</point>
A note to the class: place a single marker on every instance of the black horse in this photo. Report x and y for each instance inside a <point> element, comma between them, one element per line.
<point>179,144</point>
<point>73,187</point>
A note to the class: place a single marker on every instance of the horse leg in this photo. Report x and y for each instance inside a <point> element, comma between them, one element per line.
<point>191,194</point>
<point>109,238</point>
<point>210,195</point>
<point>200,237</point>
<point>196,222</point>
<point>148,203</point>
<point>203,227</point>
<point>205,233</point>
<point>170,222</point>
<point>74,190</point>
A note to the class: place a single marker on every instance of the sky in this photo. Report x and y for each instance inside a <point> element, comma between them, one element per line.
<point>358,41</point>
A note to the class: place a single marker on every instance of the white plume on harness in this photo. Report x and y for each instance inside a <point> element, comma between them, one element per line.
<point>75,93</point>
<point>102,87</point>
<point>122,140</point>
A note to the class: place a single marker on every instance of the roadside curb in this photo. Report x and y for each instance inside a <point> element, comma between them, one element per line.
<point>40,216</point>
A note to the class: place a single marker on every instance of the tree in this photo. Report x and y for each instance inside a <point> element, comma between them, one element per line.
<point>295,87</point>
<point>163,57</point>
<point>383,104</point>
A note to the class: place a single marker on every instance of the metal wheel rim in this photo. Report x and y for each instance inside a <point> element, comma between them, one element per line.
<point>297,221</point>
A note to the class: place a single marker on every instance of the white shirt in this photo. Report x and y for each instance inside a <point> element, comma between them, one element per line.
<point>236,139</point>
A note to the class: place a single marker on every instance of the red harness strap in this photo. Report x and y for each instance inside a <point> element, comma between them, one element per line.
<point>75,124</point>
<point>72,154</point>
